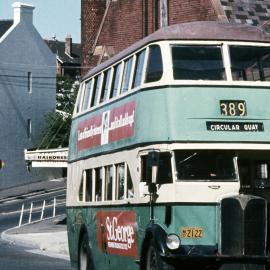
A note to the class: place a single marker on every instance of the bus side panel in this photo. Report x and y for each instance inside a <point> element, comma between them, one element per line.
<point>82,220</point>
<point>88,218</point>
<point>73,235</point>
<point>182,119</point>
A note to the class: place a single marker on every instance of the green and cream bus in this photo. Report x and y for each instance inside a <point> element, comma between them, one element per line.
<point>169,153</point>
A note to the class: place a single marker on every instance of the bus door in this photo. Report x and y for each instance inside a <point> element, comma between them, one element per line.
<point>254,173</point>
<point>245,174</point>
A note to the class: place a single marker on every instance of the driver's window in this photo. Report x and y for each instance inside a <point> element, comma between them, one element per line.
<point>164,175</point>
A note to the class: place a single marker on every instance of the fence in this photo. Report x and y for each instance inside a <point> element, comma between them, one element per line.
<point>38,209</point>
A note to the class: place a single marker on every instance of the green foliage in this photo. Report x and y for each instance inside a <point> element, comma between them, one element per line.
<point>66,92</point>
<point>57,123</point>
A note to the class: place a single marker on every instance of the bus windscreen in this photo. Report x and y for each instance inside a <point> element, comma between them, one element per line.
<point>205,165</point>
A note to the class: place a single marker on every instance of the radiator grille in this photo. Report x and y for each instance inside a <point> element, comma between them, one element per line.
<point>243,225</point>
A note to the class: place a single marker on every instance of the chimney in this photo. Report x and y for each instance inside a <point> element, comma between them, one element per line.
<point>23,13</point>
<point>68,45</point>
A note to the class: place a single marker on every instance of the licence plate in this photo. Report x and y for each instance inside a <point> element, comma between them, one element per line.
<point>191,232</point>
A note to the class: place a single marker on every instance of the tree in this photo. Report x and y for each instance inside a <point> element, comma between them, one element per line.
<point>57,123</point>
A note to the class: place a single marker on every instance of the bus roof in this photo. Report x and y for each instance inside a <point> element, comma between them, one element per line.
<point>205,30</point>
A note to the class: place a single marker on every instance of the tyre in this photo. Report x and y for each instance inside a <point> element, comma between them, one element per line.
<point>85,260</point>
<point>153,259</point>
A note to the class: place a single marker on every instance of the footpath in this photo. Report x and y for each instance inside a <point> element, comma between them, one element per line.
<point>47,237</point>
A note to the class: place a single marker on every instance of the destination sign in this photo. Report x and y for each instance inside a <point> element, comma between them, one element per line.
<point>235,126</point>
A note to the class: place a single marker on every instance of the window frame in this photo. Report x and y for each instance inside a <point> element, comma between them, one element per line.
<point>29,128</point>
<point>29,82</point>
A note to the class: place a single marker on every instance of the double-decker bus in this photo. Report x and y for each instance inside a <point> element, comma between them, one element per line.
<point>169,153</point>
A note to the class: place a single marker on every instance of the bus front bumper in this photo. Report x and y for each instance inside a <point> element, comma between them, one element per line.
<point>216,259</point>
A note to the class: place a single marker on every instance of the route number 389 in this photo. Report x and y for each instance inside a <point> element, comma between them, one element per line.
<point>233,107</point>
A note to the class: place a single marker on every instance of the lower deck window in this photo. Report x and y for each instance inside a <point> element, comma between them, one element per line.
<point>108,183</point>
<point>130,187</point>
<point>98,181</point>
<point>120,181</point>
<point>89,185</point>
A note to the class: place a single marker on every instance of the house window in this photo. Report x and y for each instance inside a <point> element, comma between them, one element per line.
<point>29,128</point>
<point>29,82</point>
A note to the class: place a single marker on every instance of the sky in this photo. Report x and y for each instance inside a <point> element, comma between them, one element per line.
<point>51,17</point>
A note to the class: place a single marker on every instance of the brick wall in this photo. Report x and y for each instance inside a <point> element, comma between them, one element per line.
<point>127,21</point>
<point>91,16</point>
<point>123,25</point>
<point>191,10</point>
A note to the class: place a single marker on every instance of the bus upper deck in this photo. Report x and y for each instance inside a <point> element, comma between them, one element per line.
<point>189,82</point>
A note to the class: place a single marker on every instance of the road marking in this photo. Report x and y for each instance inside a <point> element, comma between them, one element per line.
<point>49,254</point>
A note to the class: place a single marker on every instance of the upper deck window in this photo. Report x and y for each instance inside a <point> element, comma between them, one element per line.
<point>116,80</point>
<point>138,69</point>
<point>126,76</point>
<point>105,85</point>
<point>87,92</point>
<point>95,91</point>
<point>192,62</point>
<point>250,63</point>
<point>154,69</point>
<point>78,101</point>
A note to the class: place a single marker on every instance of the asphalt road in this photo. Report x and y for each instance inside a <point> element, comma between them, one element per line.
<point>19,258</point>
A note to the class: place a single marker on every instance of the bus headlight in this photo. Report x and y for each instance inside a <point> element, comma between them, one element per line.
<point>173,241</point>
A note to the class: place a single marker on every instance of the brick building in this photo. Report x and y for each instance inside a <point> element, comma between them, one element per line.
<point>109,26</point>
<point>68,56</point>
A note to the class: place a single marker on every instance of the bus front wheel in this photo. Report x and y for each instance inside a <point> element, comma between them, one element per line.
<point>85,262</point>
<point>153,259</point>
